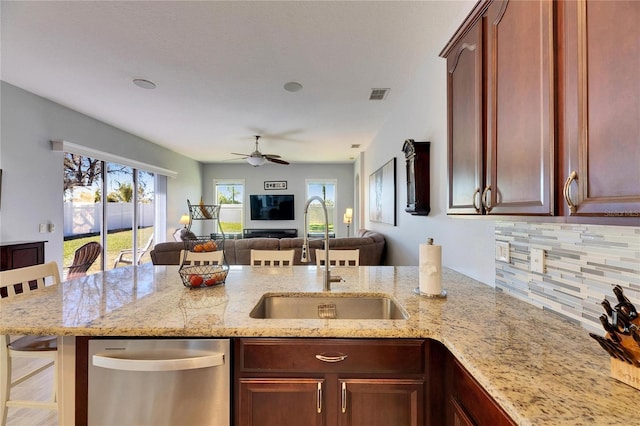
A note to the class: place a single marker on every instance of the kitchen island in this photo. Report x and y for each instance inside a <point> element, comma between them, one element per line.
<point>538,367</point>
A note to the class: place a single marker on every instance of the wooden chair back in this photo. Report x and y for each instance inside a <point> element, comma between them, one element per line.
<point>29,278</point>
<point>83,259</point>
<point>339,257</point>
<point>24,281</point>
<point>280,258</point>
<point>201,258</point>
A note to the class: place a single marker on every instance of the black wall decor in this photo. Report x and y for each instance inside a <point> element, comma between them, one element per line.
<point>418,182</point>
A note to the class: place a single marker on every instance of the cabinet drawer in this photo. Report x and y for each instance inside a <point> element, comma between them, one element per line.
<point>340,355</point>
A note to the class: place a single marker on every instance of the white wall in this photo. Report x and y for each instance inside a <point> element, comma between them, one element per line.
<point>295,175</point>
<point>421,114</point>
<point>32,173</point>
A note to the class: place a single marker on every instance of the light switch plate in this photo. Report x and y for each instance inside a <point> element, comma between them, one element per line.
<point>537,260</point>
<point>502,251</point>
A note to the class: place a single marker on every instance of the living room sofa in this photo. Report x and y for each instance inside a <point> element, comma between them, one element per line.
<point>238,252</point>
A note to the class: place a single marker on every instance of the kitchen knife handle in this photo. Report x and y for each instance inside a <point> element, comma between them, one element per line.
<point>609,328</point>
<point>607,307</point>
<point>624,303</point>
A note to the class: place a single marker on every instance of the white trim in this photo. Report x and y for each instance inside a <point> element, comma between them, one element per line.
<point>73,148</point>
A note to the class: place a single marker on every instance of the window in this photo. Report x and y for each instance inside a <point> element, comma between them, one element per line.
<point>229,194</point>
<point>130,205</point>
<point>325,189</point>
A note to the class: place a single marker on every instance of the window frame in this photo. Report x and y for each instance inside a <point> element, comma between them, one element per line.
<point>239,182</point>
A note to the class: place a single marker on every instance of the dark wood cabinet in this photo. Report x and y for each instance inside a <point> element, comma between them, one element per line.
<point>520,105</point>
<point>18,254</point>
<point>469,403</point>
<point>465,123</point>
<point>330,382</point>
<point>501,106</point>
<point>543,107</point>
<point>280,401</point>
<point>458,399</point>
<point>418,179</point>
<point>601,109</point>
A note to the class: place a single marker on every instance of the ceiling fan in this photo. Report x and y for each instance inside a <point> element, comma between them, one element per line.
<point>256,158</point>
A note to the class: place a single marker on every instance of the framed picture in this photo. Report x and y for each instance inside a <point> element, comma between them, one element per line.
<point>382,194</point>
<point>275,184</point>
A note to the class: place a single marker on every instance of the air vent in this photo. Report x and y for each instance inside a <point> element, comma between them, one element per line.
<point>378,94</point>
<point>355,146</point>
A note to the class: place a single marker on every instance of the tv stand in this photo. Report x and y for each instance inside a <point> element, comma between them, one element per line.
<point>270,233</point>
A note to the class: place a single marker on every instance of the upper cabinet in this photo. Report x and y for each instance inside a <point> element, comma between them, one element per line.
<point>543,110</point>
<point>600,45</point>
<point>466,155</point>
<point>501,111</point>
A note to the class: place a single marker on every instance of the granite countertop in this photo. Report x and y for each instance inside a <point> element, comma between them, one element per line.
<point>538,367</point>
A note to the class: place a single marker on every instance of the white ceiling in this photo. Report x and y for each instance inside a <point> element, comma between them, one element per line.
<point>220,68</point>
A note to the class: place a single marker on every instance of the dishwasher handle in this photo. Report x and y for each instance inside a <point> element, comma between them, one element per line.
<point>150,361</point>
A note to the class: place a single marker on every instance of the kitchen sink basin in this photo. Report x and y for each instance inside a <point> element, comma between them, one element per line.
<point>328,306</point>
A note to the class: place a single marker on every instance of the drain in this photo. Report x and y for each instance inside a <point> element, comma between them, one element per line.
<point>327,311</point>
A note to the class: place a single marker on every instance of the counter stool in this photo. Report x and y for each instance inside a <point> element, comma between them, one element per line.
<point>44,347</point>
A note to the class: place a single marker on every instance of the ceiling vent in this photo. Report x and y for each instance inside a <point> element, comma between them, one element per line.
<point>378,94</point>
<point>355,146</point>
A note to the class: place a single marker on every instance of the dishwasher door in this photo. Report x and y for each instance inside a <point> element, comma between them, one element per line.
<point>159,382</point>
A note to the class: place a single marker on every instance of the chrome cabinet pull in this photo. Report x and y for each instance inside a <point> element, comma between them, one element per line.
<point>319,402</point>
<point>344,397</point>
<point>336,358</point>
<point>485,203</point>
<point>475,206</point>
<point>567,186</point>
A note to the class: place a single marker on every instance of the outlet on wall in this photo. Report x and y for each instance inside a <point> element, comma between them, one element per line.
<point>537,260</point>
<point>502,251</point>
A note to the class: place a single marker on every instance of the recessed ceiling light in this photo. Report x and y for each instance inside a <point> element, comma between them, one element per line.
<point>145,84</point>
<point>292,86</point>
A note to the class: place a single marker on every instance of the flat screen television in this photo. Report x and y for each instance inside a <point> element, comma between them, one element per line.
<point>271,207</point>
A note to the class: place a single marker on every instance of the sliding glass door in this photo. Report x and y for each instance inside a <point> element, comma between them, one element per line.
<point>123,225</point>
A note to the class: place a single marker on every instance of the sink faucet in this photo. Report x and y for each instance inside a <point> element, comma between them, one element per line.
<point>327,278</point>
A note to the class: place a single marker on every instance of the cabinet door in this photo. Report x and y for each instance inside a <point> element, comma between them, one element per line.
<point>602,108</point>
<point>520,108</point>
<point>280,402</point>
<point>381,402</point>
<point>465,144</point>
<point>459,416</point>
<point>469,403</point>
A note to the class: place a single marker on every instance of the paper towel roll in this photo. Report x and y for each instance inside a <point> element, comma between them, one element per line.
<point>430,270</point>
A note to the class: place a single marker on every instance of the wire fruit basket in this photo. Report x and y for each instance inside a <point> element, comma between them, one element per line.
<point>202,276</point>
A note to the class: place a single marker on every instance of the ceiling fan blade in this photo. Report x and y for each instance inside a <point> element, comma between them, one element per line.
<point>237,153</point>
<point>277,160</point>
<point>271,155</point>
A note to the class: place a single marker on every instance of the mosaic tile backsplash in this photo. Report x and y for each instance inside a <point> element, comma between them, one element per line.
<point>583,263</point>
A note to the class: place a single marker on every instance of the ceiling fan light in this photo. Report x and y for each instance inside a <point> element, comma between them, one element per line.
<point>256,161</point>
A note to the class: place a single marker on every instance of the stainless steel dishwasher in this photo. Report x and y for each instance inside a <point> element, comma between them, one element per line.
<point>159,382</point>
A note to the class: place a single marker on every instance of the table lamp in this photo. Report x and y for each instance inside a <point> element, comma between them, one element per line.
<point>348,218</point>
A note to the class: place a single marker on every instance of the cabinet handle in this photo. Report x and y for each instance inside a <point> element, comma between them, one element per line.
<point>337,358</point>
<point>486,205</point>
<point>319,402</point>
<point>567,185</point>
<point>344,397</point>
<point>475,206</point>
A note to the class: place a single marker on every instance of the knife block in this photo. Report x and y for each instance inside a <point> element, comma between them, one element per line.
<point>626,373</point>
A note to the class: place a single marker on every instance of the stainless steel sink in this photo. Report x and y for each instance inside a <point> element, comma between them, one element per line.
<point>328,306</point>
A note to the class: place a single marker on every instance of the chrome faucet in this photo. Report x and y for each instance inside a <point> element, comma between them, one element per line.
<point>327,278</point>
